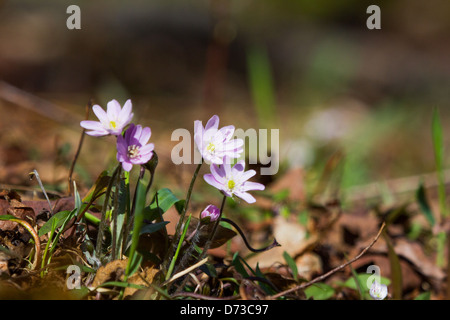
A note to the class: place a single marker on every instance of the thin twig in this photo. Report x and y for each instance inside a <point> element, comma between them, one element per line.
<point>186,271</point>
<point>329,273</point>
<point>77,153</point>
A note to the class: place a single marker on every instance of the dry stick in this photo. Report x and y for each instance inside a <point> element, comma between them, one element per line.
<point>77,153</point>
<point>36,104</point>
<point>326,275</point>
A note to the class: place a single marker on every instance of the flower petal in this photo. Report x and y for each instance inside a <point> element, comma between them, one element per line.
<point>145,135</point>
<point>238,168</point>
<point>212,123</point>
<point>96,133</point>
<point>127,166</point>
<point>227,132</point>
<point>113,110</point>
<point>126,110</point>
<point>92,125</point>
<point>101,115</point>
<point>218,173</point>
<point>121,145</point>
<point>247,197</point>
<point>209,178</point>
<point>249,185</point>
<point>226,166</point>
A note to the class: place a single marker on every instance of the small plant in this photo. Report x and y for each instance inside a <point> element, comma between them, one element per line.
<point>134,230</point>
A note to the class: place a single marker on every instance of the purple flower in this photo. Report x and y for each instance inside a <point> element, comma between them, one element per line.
<point>214,143</point>
<point>210,211</point>
<point>233,181</point>
<point>111,122</point>
<point>132,148</point>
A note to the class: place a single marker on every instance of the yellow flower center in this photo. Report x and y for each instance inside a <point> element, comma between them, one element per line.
<point>211,147</point>
<point>231,184</point>
<point>113,124</point>
<point>133,151</point>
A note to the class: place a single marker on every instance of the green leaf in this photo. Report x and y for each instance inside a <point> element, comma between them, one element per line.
<point>222,235</point>
<point>78,203</point>
<point>362,279</point>
<point>268,289</point>
<point>138,221</point>
<point>153,227</point>
<point>166,199</point>
<point>209,269</point>
<point>424,205</point>
<point>59,217</point>
<point>239,266</point>
<point>423,296</point>
<point>99,187</point>
<point>319,291</point>
<point>7,217</point>
<point>152,164</point>
<point>396,270</point>
<point>292,265</point>
<point>121,284</point>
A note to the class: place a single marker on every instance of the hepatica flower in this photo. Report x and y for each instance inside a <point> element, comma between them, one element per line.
<point>214,143</point>
<point>378,291</point>
<point>113,121</point>
<point>132,148</point>
<point>232,181</point>
<point>210,211</point>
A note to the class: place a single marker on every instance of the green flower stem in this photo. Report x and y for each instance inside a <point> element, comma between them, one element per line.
<point>180,243</point>
<point>177,234</point>
<point>102,225</point>
<point>211,236</point>
<point>114,215</point>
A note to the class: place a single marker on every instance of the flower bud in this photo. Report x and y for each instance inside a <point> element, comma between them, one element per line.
<point>210,211</point>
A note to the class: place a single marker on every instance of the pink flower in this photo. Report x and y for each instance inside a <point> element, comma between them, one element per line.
<point>132,148</point>
<point>233,181</point>
<point>210,211</point>
<point>214,143</point>
<point>113,121</point>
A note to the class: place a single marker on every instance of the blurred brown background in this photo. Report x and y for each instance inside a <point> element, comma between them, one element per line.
<point>311,69</point>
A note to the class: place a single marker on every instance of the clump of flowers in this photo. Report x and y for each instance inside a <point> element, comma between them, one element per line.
<point>217,146</point>
<point>132,147</point>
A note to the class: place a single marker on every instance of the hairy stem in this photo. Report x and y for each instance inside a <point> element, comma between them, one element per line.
<point>177,234</point>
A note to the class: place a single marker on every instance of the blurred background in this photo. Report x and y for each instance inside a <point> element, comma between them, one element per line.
<point>311,69</point>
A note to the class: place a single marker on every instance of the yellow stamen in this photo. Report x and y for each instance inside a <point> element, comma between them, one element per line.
<point>133,151</point>
<point>211,147</point>
<point>231,184</point>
